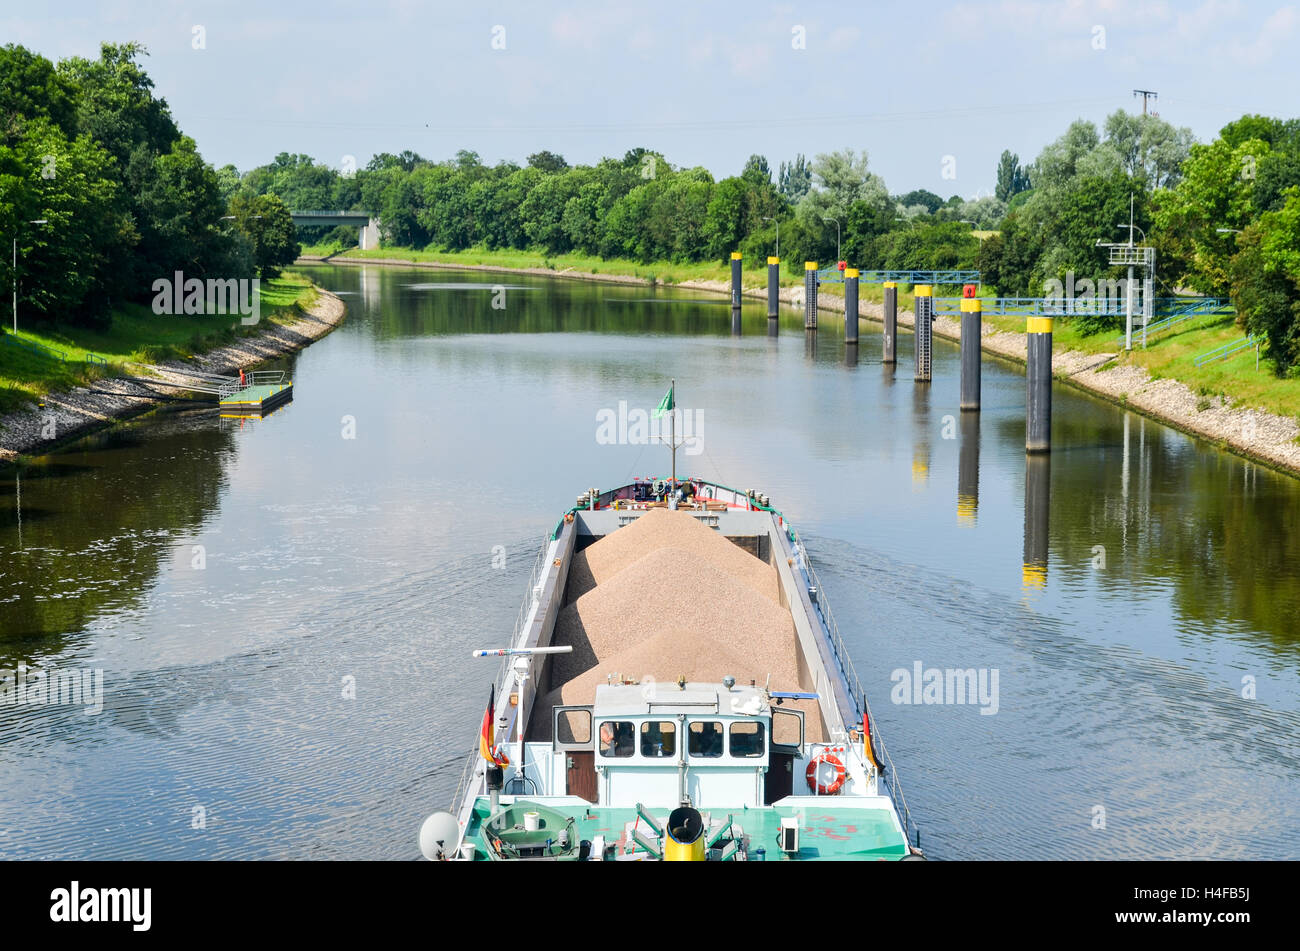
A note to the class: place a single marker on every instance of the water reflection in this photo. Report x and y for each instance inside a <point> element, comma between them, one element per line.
<point>92,524</point>
<point>1038,489</point>
<point>968,469</point>
<point>473,426</point>
<point>921,426</point>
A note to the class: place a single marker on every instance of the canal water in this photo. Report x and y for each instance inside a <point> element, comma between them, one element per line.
<point>282,610</point>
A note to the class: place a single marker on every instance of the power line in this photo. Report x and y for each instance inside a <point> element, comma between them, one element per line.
<point>757,122</point>
<point>1147,95</point>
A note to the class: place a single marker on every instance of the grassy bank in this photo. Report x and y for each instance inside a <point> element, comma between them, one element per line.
<point>1169,355</point>
<point>135,335</point>
<point>754,274</point>
<point>663,272</point>
<point>1172,355</point>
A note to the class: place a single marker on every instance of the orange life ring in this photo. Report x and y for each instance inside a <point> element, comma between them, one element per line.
<point>811,774</point>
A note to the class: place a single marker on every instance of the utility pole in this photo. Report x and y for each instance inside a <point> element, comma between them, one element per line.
<point>778,234</point>
<point>1131,254</point>
<point>1147,95</point>
<point>1128,309</point>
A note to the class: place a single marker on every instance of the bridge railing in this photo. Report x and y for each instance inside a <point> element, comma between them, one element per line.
<point>1173,308</point>
<point>834,275</point>
<point>40,349</point>
<point>1027,306</point>
<point>1231,348</point>
<point>1181,310</point>
<point>331,214</point>
<point>948,277</point>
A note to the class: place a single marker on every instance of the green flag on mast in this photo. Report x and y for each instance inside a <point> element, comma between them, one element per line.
<point>666,404</point>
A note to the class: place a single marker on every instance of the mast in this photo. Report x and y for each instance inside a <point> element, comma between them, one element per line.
<point>672,435</point>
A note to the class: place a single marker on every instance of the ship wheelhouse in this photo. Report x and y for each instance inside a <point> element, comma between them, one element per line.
<point>707,744</point>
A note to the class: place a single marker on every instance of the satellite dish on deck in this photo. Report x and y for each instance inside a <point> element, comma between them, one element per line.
<point>439,836</point>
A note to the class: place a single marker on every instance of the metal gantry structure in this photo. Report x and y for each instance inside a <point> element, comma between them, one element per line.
<point>835,275</point>
<point>1172,309</point>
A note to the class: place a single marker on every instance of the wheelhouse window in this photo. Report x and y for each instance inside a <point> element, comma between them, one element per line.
<point>704,738</point>
<point>747,739</point>
<point>658,738</point>
<point>617,738</point>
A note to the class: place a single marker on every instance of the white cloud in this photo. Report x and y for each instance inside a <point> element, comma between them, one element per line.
<point>1275,33</point>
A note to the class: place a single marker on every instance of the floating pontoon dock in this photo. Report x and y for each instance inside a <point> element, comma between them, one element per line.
<point>262,392</point>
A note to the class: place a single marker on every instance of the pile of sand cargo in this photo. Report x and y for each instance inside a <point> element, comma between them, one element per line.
<point>661,528</point>
<point>667,597</point>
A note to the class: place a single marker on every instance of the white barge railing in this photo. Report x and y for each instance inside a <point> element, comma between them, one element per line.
<point>850,673</point>
<point>531,594</point>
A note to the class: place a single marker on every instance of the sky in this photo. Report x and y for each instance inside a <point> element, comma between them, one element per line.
<point>933,92</point>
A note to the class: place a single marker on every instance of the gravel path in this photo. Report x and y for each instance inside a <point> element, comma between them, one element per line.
<point>72,413</point>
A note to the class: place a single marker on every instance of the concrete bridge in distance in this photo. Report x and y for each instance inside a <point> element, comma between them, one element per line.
<point>368,224</point>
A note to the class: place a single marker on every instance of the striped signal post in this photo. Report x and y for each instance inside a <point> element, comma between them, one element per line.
<point>924,327</point>
<point>891,322</point>
<point>1038,379</point>
<point>773,287</point>
<point>851,306</point>
<point>809,295</point>
<point>735,280</point>
<point>971,326</point>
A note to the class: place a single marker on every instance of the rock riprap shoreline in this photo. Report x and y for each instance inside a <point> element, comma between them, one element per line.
<point>1265,437</point>
<point>75,412</point>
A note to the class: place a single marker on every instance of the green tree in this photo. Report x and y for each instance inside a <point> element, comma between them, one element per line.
<point>543,210</point>
<point>1013,178</point>
<point>842,178</point>
<point>1150,150</point>
<point>115,103</point>
<point>70,268</point>
<point>549,162</point>
<point>757,173</point>
<point>926,199</point>
<point>724,220</point>
<point>31,88</point>
<point>794,179</point>
<point>1265,275</point>
<point>268,225</point>
<point>1216,192</point>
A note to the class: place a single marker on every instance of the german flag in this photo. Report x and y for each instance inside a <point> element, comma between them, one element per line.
<point>485,743</point>
<point>868,745</point>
